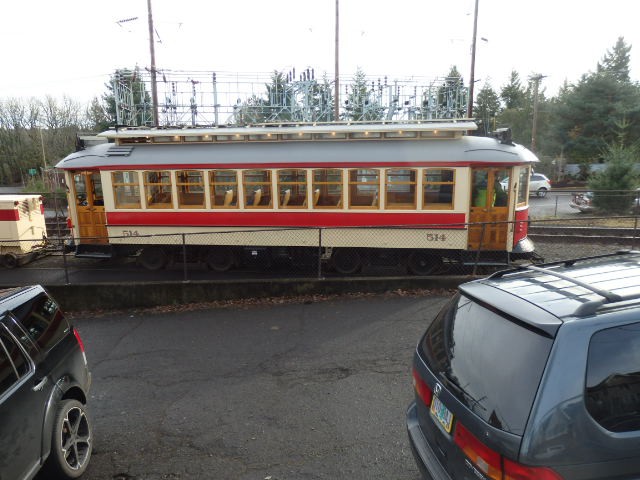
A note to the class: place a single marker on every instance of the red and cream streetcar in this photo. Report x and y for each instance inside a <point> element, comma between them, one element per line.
<point>418,193</point>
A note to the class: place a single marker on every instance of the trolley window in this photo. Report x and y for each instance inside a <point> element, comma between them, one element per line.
<point>80,189</point>
<point>438,188</point>
<point>224,188</point>
<point>292,188</point>
<point>400,189</point>
<point>190,185</point>
<point>364,188</point>
<point>523,186</point>
<point>126,189</point>
<point>157,187</point>
<point>257,188</point>
<point>327,188</point>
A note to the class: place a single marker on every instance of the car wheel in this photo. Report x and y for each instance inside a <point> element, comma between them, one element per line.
<point>542,192</point>
<point>71,441</point>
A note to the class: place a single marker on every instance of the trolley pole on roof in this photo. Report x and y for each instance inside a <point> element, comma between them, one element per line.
<point>336,100</point>
<point>472,75</point>
<point>152,51</point>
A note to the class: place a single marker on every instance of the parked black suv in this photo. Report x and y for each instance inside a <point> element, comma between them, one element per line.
<point>533,373</point>
<point>44,382</point>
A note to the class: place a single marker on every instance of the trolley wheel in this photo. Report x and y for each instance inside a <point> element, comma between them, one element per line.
<point>220,259</point>
<point>423,263</point>
<point>153,258</point>
<point>10,260</point>
<point>346,260</point>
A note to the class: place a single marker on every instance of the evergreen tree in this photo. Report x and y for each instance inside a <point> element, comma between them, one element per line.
<point>451,101</point>
<point>135,100</point>
<point>280,102</point>
<point>513,94</point>
<point>616,61</point>
<point>97,117</point>
<point>361,104</point>
<point>486,108</point>
<point>614,186</point>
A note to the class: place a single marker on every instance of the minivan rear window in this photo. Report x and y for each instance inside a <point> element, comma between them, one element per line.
<point>490,363</point>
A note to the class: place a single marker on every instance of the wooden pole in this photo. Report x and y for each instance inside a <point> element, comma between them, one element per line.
<point>336,100</point>
<point>152,51</point>
<point>472,74</point>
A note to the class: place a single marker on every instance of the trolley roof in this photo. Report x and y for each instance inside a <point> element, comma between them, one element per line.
<point>11,200</point>
<point>328,145</point>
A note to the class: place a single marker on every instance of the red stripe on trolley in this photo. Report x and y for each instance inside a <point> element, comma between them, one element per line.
<point>9,215</point>
<point>521,226</point>
<point>287,219</point>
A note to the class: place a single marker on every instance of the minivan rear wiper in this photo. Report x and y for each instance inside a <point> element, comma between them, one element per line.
<point>452,383</point>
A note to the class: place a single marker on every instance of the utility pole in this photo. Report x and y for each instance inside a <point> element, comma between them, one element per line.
<point>534,127</point>
<point>152,51</point>
<point>472,75</point>
<point>336,95</point>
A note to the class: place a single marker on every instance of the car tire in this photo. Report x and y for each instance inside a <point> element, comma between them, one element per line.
<point>71,441</point>
<point>542,192</point>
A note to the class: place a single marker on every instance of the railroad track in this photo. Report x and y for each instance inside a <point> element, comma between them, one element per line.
<point>585,234</point>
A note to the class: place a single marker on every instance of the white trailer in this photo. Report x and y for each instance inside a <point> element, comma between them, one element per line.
<point>23,232</point>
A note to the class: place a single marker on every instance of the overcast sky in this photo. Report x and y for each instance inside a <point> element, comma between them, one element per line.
<point>71,46</point>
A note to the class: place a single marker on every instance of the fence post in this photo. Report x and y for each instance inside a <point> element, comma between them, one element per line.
<point>475,265</point>
<point>319,253</point>
<point>184,257</point>
<point>64,261</point>
<point>635,233</point>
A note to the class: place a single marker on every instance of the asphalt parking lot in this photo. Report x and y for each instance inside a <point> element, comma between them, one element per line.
<point>315,389</point>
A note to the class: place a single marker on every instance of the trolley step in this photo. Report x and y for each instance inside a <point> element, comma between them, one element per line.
<point>94,251</point>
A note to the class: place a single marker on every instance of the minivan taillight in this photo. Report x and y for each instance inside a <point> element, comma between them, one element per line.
<point>491,463</point>
<point>77,335</point>
<point>422,389</point>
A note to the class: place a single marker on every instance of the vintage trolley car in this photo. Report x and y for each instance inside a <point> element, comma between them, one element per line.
<point>418,193</point>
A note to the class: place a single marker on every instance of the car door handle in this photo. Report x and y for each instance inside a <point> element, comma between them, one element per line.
<point>40,385</point>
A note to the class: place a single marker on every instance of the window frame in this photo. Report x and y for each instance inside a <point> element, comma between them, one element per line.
<point>234,202</point>
<point>184,185</point>
<point>394,205</point>
<point>251,187</point>
<point>297,189</point>
<point>524,178</point>
<point>162,185</point>
<point>425,183</point>
<point>606,343</point>
<point>374,202</point>
<point>19,378</point>
<point>317,187</point>
<point>116,185</point>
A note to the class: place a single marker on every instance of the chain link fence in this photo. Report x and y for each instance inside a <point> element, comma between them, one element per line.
<point>189,254</point>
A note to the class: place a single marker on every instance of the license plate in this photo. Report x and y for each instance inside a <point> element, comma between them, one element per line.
<point>442,414</point>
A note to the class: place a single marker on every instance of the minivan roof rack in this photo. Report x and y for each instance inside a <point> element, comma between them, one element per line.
<point>587,308</point>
